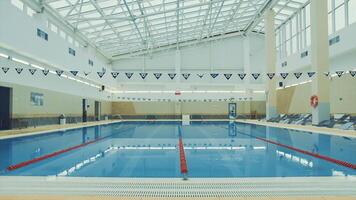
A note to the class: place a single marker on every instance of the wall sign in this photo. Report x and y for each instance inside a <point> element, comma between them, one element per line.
<point>36,99</point>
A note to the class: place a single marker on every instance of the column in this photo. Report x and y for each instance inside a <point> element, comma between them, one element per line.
<point>178,66</point>
<point>247,61</point>
<point>270,42</point>
<point>320,59</point>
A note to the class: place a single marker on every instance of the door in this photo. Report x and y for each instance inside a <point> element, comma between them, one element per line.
<point>85,110</point>
<point>5,108</point>
<point>97,111</point>
<point>232,110</point>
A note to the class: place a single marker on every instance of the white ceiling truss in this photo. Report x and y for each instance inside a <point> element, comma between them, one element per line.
<point>121,27</point>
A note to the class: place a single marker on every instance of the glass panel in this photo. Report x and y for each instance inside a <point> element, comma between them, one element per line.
<point>352,11</point>
<point>340,18</point>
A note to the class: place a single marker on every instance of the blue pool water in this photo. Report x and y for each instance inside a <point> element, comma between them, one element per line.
<point>149,149</point>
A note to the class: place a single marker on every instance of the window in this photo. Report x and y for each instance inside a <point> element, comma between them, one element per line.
<point>352,13</point>
<point>62,34</point>
<point>70,39</point>
<point>340,18</point>
<point>91,63</point>
<point>71,51</point>
<point>42,34</point>
<point>54,28</point>
<point>18,4</point>
<point>30,12</point>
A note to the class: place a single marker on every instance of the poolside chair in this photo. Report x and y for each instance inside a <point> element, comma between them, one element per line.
<point>303,119</point>
<point>348,126</point>
<point>277,119</point>
<point>331,123</point>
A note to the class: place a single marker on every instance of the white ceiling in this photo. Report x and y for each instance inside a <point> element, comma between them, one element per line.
<point>119,27</point>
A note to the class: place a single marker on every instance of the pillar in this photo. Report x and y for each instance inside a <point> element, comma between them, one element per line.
<point>177,66</point>
<point>320,59</point>
<point>270,43</point>
<point>247,61</point>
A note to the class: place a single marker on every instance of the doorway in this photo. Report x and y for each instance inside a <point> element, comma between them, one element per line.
<point>85,110</point>
<point>97,111</point>
<point>5,108</point>
<point>232,110</point>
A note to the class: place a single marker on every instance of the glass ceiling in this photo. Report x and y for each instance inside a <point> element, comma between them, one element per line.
<point>119,27</point>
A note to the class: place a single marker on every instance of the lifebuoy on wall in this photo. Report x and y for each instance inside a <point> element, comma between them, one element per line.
<point>314,100</point>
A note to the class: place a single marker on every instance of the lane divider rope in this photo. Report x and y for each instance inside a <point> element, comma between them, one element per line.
<point>183,161</point>
<point>326,158</point>
<point>28,162</point>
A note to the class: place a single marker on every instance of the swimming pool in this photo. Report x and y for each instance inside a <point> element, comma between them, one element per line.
<point>151,149</point>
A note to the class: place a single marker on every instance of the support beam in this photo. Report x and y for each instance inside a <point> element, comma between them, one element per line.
<point>270,39</point>
<point>320,59</point>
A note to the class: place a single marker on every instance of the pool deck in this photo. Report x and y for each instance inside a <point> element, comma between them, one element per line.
<point>309,128</point>
<point>170,198</point>
<point>44,129</point>
<point>56,127</point>
<point>175,188</point>
<point>47,128</point>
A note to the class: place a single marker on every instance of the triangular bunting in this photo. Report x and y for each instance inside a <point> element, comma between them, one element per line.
<point>5,69</point>
<point>45,71</point>
<point>129,75</point>
<point>157,75</point>
<point>19,70</point>
<point>59,72</point>
<point>114,74</point>
<point>271,75</point>
<point>242,76</point>
<point>353,73</point>
<point>86,73</point>
<point>74,73</point>
<point>100,74</point>
<point>298,74</point>
<point>227,76</point>
<point>200,75</point>
<point>172,75</point>
<point>326,74</point>
<point>284,75</point>
<point>32,71</point>
<point>311,74</point>
<point>214,75</point>
<point>143,75</point>
<point>186,75</point>
<point>255,75</point>
<point>339,73</point>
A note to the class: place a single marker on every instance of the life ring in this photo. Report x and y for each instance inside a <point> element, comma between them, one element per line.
<point>314,101</point>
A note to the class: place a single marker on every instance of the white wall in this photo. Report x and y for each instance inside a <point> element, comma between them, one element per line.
<point>342,56</point>
<point>18,32</point>
<point>223,56</point>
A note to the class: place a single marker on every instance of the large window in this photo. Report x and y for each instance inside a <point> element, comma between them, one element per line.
<point>294,35</point>
<point>352,11</point>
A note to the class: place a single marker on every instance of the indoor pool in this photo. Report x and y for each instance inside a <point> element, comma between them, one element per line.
<point>151,149</point>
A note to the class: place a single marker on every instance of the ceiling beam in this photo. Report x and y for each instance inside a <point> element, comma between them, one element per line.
<point>259,15</point>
